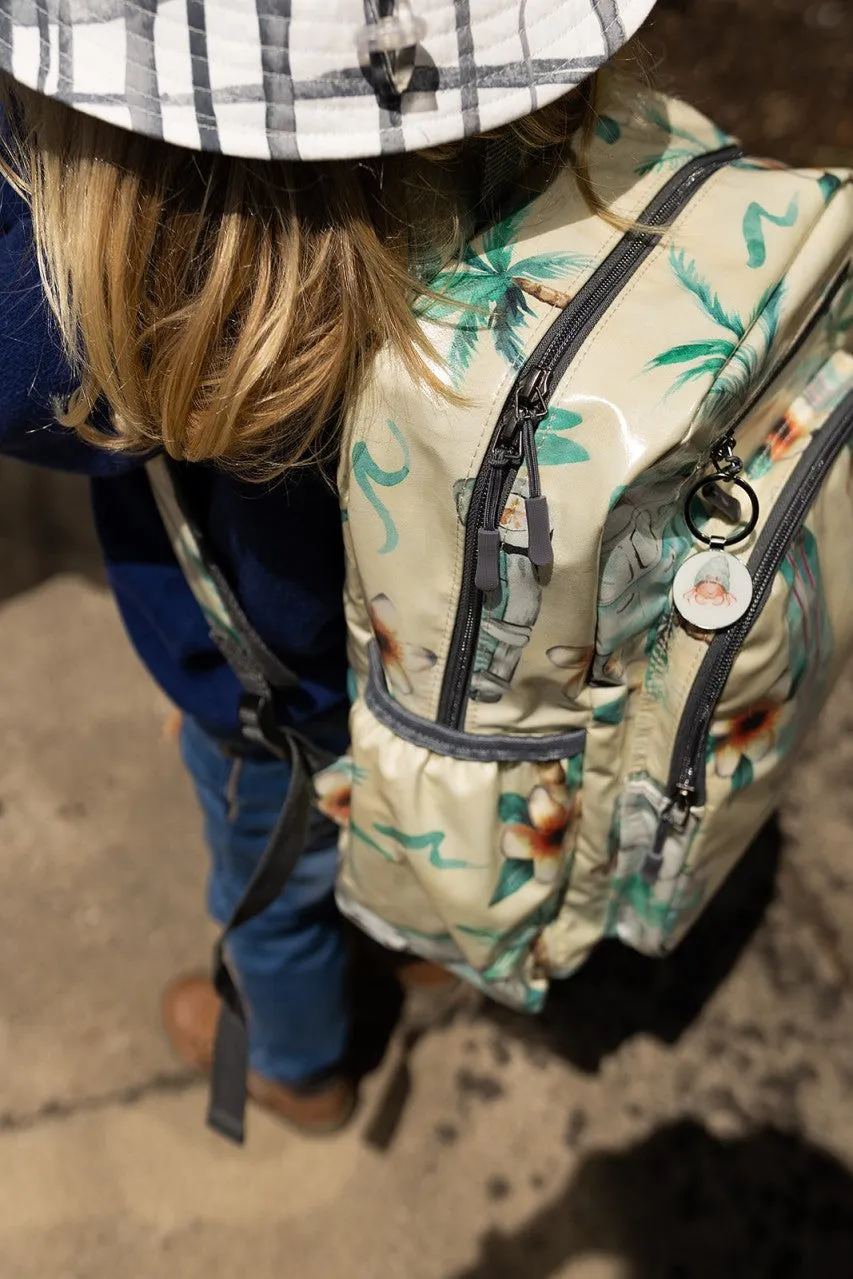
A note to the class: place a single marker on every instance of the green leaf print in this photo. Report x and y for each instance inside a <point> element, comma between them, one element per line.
<point>498,241</point>
<point>671,158</point>
<point>608,130</point>
<point>810,641</point>
<point>687,146</point>
<point>515,941</point>
<point>486,291</point>
<point>753,231</point>
<point>515,873</point>
<point>357,833</point>
<point>731,363</point>
<point>687,274</point>
<point>692,351</point>
<point>552,448</point>
<point>611,713</point>
<point>480,934</point>
<point>638,894</point>
<point>616,496</point>
<point>347,767</point>
<point>512,809</point>
<point>743,774</point>
<point>432,841</point>
<point>367,473</point>
<point>574,772</point>
<point>829,184</point>
<point>415,933</point>
<point>506,963</point>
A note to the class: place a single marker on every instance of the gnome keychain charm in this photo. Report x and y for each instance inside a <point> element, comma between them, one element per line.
<point>713,589</point>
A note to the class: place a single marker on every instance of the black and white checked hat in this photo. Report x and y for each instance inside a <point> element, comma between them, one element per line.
<point>310,79</point>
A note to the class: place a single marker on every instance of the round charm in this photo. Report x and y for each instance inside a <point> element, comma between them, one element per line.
<point>712,590</point>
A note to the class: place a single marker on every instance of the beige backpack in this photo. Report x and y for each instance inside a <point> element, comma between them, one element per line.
<point>595,602</point>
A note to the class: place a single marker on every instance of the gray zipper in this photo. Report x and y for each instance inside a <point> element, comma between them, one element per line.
<point>819,313</point>
<point>686,785</point>
<point>513,440</point>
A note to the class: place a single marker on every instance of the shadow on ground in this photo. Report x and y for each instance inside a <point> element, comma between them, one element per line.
<point>685,1205</point>
<point>45,528</point>
<point>619,994</point>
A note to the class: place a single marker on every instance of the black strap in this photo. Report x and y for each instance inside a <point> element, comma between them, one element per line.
<point>227,1107</point>
<point>261,675</point>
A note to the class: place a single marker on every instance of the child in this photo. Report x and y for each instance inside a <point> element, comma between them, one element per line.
<point>212,220</point>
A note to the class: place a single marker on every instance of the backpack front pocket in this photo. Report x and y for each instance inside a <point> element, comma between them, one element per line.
<point>755,689</point>
<point>454,846</point>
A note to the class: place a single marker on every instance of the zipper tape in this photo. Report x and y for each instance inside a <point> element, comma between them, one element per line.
<point>530,398</point>
<point>686,785</point>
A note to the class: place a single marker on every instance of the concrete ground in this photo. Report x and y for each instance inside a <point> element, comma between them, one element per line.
<point>685,1120</point>
<point>691,1118</point>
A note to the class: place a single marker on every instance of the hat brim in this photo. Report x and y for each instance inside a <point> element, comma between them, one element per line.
<point>245,78</point>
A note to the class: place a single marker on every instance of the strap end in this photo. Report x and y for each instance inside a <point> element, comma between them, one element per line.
<point>227,1110</point>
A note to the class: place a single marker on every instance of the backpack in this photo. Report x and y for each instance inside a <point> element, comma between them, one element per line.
<point>595,598</point>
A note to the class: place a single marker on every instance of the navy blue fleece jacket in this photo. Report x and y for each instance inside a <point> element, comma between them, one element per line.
<point>279,546</point>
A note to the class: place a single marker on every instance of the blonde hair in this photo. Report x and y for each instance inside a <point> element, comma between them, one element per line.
<point>226,309</point>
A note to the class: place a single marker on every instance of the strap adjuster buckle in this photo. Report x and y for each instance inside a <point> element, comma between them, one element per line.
<point>258,723</point>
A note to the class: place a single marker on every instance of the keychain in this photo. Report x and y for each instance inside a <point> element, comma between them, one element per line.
<point>713,589</point>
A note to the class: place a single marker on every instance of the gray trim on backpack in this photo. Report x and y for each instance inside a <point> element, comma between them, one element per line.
<point>485,749</point>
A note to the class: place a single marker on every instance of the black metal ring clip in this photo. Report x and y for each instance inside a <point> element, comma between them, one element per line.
<point>722,477</point>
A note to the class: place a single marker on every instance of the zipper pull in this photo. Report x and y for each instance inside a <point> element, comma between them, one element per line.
<point>516,445</point>
<point>677,812</point>
<point>531,394</point>
<point>531,399</point>
<point>539,549</point>
<point>674,817</point>
<point>488,575</point>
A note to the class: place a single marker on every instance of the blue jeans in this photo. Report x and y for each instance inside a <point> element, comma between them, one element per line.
<point>290,961</point>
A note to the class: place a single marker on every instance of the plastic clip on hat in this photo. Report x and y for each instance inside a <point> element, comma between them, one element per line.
<point>307,79</point>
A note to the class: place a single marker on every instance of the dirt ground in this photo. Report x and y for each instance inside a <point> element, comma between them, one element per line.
<point>777,73</point>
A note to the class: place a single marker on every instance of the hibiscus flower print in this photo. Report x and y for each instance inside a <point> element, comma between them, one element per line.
<point>550,807</point>
<point>333,790</point>
<point>399,658</point>
<point>744,740</point>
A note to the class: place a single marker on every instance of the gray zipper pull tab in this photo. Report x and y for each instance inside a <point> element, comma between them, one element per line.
<point>488,575</point>
<point>539,549</point>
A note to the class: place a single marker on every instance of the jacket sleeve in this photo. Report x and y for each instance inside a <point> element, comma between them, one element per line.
<point>33,368</point>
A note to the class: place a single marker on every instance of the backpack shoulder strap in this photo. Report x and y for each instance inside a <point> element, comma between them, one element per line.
<point>261,675</point>
<point>258,670</point>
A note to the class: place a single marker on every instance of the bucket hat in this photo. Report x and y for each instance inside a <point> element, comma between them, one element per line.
<point>310,79</point>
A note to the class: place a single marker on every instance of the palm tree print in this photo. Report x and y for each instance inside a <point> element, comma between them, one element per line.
<point>488,292</point>
<point>734,358</point>
<point>684,146</point>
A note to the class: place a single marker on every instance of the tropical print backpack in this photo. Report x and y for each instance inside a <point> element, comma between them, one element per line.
<point>595,601</point>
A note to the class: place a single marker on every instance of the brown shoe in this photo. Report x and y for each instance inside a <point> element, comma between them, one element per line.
<point>420,974</point>
<point>190,1010</point>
